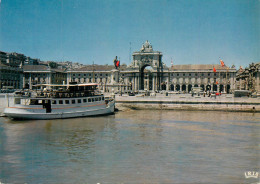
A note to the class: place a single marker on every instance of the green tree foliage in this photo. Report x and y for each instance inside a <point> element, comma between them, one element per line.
<point>53,64</point>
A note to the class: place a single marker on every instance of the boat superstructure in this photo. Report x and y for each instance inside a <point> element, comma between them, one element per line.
<point>68,101</point>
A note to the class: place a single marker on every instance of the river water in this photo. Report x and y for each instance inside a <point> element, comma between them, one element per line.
<point>132,147</point>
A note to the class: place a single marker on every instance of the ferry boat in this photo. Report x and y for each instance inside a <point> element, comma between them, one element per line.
<point>68,101</point>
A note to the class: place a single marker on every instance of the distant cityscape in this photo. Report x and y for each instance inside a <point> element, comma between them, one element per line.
<point>146,72</point>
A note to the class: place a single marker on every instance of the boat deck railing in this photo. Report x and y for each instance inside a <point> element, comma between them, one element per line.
<point>59,94</point>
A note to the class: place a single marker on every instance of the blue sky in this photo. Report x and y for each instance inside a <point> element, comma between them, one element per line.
<point>188,31</point>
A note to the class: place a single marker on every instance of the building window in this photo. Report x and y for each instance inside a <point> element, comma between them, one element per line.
<point>67,102</point>
<point>79,100</point>
<point>84,100</point>
<point>184,74</point>
<point>177,75</point>
<point>189,74</point>
<point>60,101</point>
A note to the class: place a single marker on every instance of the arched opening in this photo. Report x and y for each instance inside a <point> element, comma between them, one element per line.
<point>196,85</point>
<point>26,86</point>
<point>208,87</point>
<point>228,88</point>
<point>215,87</point>
<point>171,87</point>
<point>221,88</point>
<point>183,87</point>
<point>189,87</point>
<point>178,87</point>
<point>163,86</point>
<point>146,78</point>
<point>202,87</point>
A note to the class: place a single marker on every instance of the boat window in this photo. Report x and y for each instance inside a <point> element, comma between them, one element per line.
<point>60,101</point>
<point>89,100</point>
<point>103,98</point>
<point>79,100</point>
<point>33,102</point>
<point>17,101</point>
<point>84,100</point>
<point>73,101</point>
<point>96,99</point>
<point>54,102</point>
<point>99,99</point>
<point>93,100</point>
<point>67,102</point>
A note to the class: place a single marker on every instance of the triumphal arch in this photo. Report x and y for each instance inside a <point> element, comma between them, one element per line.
<point>147,68</point>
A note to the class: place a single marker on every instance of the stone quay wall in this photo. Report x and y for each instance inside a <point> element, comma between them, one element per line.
<point>187,102</point>
<point>172,102</point>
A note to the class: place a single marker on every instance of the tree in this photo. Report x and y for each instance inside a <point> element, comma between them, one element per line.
<point>53,64</point>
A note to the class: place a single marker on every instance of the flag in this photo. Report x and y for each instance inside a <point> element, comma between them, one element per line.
<point>216,82</point>
<point>222,63</point>
<point>117,63</point>
<point>214,69</point>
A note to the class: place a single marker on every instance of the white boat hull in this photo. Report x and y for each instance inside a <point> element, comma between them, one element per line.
<point>59,113</point>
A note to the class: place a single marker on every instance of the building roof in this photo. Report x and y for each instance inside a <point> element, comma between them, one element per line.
<point>200,67</point>
<point>36,68</point>
<point>98,68</point>
<point>7,67</point>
